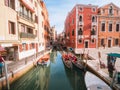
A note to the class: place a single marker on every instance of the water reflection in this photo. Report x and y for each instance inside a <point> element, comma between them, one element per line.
<point>76,79</point>
<point>54,77</point>
<point>53,56</point>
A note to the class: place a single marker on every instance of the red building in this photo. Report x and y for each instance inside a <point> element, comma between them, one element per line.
<point>81,27</point>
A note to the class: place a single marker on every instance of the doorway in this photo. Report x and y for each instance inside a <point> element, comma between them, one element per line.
<point>109,43</point>
<point>86,44</point>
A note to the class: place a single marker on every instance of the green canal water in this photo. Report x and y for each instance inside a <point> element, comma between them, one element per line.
<point>54,77</point>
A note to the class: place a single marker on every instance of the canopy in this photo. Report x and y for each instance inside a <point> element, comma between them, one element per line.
<point>114,55</point>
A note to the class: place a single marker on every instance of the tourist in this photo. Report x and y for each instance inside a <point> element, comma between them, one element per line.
<point>1,65</point>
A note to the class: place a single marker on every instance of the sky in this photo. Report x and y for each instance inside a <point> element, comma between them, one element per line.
<point>58,9</point>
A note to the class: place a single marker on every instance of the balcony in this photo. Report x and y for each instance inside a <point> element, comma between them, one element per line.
<point>26,17</point>
<point>94,23</point>
<point>80,36</point>
<point>94,36</point>
<point>81,23</point>
<point>27,35</point>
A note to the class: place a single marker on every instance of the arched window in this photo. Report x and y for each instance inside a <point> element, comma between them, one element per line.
<point>93,32</point>
<point>80,32</point>
<point>111,10</point>
<point>93,19</point>
<point>80,18</point>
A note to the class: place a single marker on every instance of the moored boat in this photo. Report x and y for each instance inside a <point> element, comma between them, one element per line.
<point>44,61</point>
<point>95,83</point>
<point>66,60</point>
<point>77,64</point>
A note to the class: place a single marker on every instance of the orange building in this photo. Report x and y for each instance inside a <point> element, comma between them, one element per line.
<point>109,25</point>
<point>81,27</point>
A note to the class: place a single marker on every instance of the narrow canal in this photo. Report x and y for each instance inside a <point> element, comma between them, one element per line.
<point>54,77</point>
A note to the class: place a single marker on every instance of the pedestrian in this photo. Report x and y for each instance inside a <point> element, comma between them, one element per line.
<point>1,65</point>
<point>111,69</point>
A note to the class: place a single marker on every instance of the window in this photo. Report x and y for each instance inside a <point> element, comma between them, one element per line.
<point>29,30</point>
<point>22,28</point>
<point>92,40</point>
<point>80,40</point>
<point>110,27</point>
<point>80,18</point>
<point>93,19</point>
<point>81,9</point>
<point>80,32</point>
<point>11,27</point>
<point>111,10</point>
<point>10,3</point>
<point>36,19</point>
<point>103,27</point>
<point>93,32</point>
<point>73,32</point>
<point>93,9</point>
<point>103,11</point>
<point>23,46</point>
<point>102,42</point>
<point>116,42</point>
<point>117,27</point>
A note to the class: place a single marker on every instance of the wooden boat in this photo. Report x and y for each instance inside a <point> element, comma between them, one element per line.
<point>44,61</point>
<point>66,61</point>
<point>95,83</point>
<point>77,64</point>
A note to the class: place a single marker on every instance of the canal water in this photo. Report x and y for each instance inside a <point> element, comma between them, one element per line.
<point>54,77</point>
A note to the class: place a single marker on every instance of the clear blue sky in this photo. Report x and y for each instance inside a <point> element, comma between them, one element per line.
<point>58,9</point>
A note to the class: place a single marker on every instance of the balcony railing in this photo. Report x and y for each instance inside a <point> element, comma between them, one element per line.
<point>27,35</point>
<point>80,23</point>
<point>94,23</point>
<point>26,17</point>
<point>80,36</point>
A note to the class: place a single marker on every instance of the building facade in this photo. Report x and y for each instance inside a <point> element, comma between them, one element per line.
<point>88,26</point>
<point>109,26</point>
<point>23,28</point>
<point>81,27</point>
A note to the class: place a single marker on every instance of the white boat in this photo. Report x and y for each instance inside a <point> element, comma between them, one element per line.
<point>95,83</point>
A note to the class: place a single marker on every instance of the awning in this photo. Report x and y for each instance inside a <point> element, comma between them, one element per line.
<point>114,55</point>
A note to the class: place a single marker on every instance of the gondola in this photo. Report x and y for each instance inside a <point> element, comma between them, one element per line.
<point>77,64</point>
<point>66,61</point>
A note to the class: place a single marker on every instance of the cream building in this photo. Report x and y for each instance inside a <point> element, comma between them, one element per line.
<point>22,30</point>
<point>8,27</point>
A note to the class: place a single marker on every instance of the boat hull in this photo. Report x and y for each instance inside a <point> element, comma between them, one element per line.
<point>95,83</point>
<point>77,66</point>
<point>67,63</point>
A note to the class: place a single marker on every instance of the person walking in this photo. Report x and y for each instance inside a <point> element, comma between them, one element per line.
<point>1,65</point>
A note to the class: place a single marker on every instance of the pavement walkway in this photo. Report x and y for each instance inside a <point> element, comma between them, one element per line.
<point>94,64</point>
<point>15,66</point>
